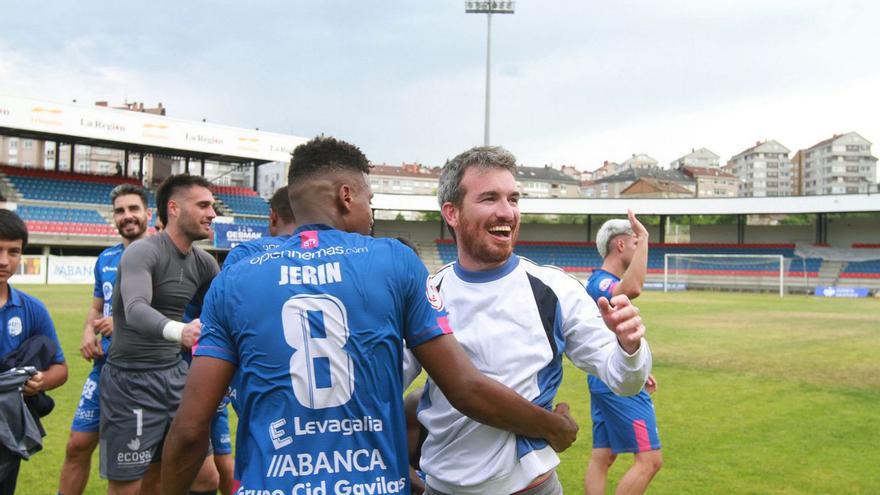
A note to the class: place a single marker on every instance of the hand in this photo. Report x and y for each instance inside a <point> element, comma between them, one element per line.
<point>638,229</point>
<point>104,326</point>
<point>190,334</point>
<point>566,434</point>
<point>90,348</point>
<point>651,385</point>
<point>623,319</point>
<point>34,385</point>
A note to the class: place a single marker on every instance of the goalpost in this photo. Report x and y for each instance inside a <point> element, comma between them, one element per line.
<point>682,266</point>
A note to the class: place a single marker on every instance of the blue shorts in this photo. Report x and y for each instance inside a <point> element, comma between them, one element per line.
<point>624,424</point>
<point>87,417</point>
<point>220,440</point>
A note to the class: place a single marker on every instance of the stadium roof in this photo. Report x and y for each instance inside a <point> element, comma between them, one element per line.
<point>140,132</point>
<point>842,203</point>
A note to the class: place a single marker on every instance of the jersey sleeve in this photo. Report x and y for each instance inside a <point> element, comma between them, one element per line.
<point>424,316</point>
<point>216,338</point>
<point>592,347</point>
<point>136,289</point>
<point>602,285</point>
<point>43,325</point>
<point>99,290</point>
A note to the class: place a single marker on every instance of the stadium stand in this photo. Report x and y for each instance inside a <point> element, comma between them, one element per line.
<point>583,257</point>
<point>242,200</point>
<point>48,185</point>
<point>862,269</point>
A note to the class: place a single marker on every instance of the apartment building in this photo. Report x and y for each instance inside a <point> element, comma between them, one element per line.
<point>763,170</point>
<point>841,164</point>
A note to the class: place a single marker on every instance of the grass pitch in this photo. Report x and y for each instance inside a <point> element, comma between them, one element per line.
<point>757,395</point>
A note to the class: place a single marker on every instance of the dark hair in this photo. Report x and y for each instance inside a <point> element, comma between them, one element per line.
<point>12,228</point>
<point>280,204</point>
<point>325,154</point>
<point>410,244</point>
<point>171,185</point>
<point>125,189</point>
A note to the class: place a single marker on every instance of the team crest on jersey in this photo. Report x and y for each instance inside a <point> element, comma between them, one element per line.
<point>14,326</point>
<point>605,283</point>
<point>433,295</point>
<point>308,239</point>
<point>107,288</point>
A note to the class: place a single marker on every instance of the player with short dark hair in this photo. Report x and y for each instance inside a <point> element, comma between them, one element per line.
<point>622,424</point>
<point>314,332</point>
<point>539,313</point>
<point>24,318</point>
<point>282,223</point>
<point>144,374</point>
<point>131,217</point>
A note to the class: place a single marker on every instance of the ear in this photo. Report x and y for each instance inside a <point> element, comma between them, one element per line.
<point>273,218</point>
<point>450,214</point>
<point>620,243</point>
<point>344,198</point>
<point>173,208</point>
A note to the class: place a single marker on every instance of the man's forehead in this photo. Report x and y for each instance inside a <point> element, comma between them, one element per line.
<point>487,177</point>
<point>127,199</point>
<point>195,193</point>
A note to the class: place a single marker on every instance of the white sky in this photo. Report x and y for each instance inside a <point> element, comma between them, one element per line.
<point>574,82</point>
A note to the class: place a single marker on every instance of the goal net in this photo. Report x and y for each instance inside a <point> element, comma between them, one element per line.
<point>747,272</point>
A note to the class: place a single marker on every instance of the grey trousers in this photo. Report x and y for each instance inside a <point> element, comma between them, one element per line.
<point>550,486</point>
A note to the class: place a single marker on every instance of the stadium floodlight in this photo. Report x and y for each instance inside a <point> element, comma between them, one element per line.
<point>752,271</point>
<point>488,8</point>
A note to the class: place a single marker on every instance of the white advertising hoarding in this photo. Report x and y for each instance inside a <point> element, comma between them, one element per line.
<point>71,269</point>
<point>138,128</point>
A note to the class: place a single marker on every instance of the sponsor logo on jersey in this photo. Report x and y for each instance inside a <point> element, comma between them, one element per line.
<point>134,444</point>
<point>605,283</point>
<point>107,288</point>
<point>108,269</point>
<point>14,326</point>
<point>306,464</point>
<point>135,456</point>
<point>433,295</point>
<point>308,255</point>
<point>308,239</point>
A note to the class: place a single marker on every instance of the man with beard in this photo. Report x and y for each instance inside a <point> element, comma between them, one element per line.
<point>144,374</point>
<point>538,312</point>
<point>131,216</point>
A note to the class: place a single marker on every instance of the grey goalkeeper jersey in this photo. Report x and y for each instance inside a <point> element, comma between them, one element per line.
<point>154,283</point>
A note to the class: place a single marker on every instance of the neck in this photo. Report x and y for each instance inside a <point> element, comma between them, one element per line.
<point>614,266</point>
<point>181,240</point>
<point>318,218</point>
<point>126,241</point>
<point>286,229</point>
<point>4,293</point>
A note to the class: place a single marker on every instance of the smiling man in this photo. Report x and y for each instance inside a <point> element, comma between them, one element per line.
<point>536,313</point>
<point>131,216</point>
<point>144,375</point>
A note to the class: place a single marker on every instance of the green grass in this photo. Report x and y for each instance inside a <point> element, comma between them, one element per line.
<point>757,395</point>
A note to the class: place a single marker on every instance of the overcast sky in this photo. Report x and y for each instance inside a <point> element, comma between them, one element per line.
<point>574,82</point>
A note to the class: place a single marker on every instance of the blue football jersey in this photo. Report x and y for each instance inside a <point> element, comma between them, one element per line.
<point>105,279</point>
<point>600,284</point>
<point>316,329</point>
<point>250,248</point>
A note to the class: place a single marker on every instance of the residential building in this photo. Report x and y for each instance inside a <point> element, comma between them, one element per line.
<point>546,182</point>
<point>702,158</point>
<point>763,170</point>
<point>842,164</point>
<point>712,182</point>
<point>649,187</point>
<point>409,178</point>
<point>613,186</point>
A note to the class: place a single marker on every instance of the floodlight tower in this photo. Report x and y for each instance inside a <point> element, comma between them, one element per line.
<point>488,8</point>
